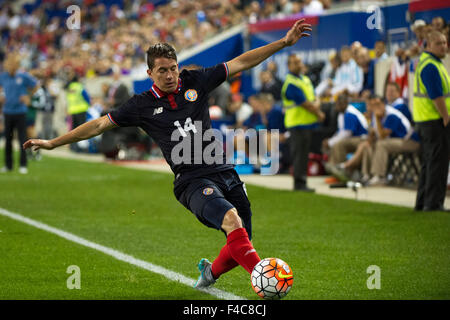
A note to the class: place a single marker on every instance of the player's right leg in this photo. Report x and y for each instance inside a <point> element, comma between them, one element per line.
<point>206,199</point>
<point>237,251</point>
<point>238,241</point>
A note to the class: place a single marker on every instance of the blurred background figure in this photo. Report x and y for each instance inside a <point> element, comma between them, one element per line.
<point>18,87</point>
<point>398,72</point>
<point>238,110</point>
<point>349,76</point>
<point>302,115</point>
<point>438,24</point>
<point>220,96</point>
<point>44,102</point>
<point>270,84</point>
<point>323,90</point>
<point>394,99</point>
<point>431,108</point>
<point>367,66</point>
<point>352,130</point>
<point>394,133</point>
<point>419,30</point>
<point>78,103</point>
<point>117,91</point>
<point>380,51</point>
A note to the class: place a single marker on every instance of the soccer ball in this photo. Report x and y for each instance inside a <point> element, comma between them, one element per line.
<point>272,278</point>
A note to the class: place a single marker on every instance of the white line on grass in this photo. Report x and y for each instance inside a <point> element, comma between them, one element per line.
<point>169,274</point>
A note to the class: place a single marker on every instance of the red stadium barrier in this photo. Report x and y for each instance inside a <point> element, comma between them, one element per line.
<point>424,5</point>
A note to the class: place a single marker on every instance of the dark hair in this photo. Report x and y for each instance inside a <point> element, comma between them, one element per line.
<point>160,50</point>
<point>265,96</point>
<point>343,98</point>
<point>374,96</point>
<point>395,84</point>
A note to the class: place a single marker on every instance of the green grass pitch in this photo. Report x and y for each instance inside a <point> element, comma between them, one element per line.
<point>328,242</point>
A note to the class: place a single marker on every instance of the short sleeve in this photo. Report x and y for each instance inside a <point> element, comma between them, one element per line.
<point>403,108</point>
<point>127,115</point>
<point>210,78</point>
<point>276,120</point>
<point>248,122</point>
<point>432,81</point>
<point>392,122</point>
<point>30,81</point>
<point>295,94</point>
<point>253,121</point>
<point>350,122</point>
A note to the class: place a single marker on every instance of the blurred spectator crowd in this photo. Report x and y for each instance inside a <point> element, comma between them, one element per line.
<point>111,35</point>
<point>113,39</point>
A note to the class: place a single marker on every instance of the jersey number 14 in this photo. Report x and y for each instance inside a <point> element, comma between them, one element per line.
<point>188,126</point>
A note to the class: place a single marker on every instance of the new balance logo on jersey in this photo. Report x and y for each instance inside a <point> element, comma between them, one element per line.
<point>158,110</point>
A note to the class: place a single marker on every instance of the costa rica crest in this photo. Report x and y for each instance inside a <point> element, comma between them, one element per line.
<point>208,191</point>
<point>191,95</point>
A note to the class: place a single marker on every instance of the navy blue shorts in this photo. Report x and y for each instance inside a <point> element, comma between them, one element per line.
<point>210,197</point>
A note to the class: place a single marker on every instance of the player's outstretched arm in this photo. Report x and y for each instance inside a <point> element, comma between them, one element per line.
<point>254,57</point>
<point>85,131</point>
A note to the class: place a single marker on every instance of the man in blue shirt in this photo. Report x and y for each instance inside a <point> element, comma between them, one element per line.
<point>302,115</point>
<point>394,134</point>
<point>18,88</point>
<point>394,99</point>
<point>431,108</point>
<point>352,130</point>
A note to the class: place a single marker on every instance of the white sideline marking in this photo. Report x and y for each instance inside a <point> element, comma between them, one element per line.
<point>169,274</point>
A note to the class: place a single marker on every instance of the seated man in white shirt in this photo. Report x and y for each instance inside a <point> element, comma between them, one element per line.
<point>349,76</point>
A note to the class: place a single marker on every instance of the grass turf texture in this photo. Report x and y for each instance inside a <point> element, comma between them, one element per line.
<point>328,242</point>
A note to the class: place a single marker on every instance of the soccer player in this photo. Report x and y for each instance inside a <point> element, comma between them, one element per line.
<point>174,105</point>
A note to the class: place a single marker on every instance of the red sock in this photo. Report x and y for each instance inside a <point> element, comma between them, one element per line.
<point>242,250</point>
<point>223,263</point>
